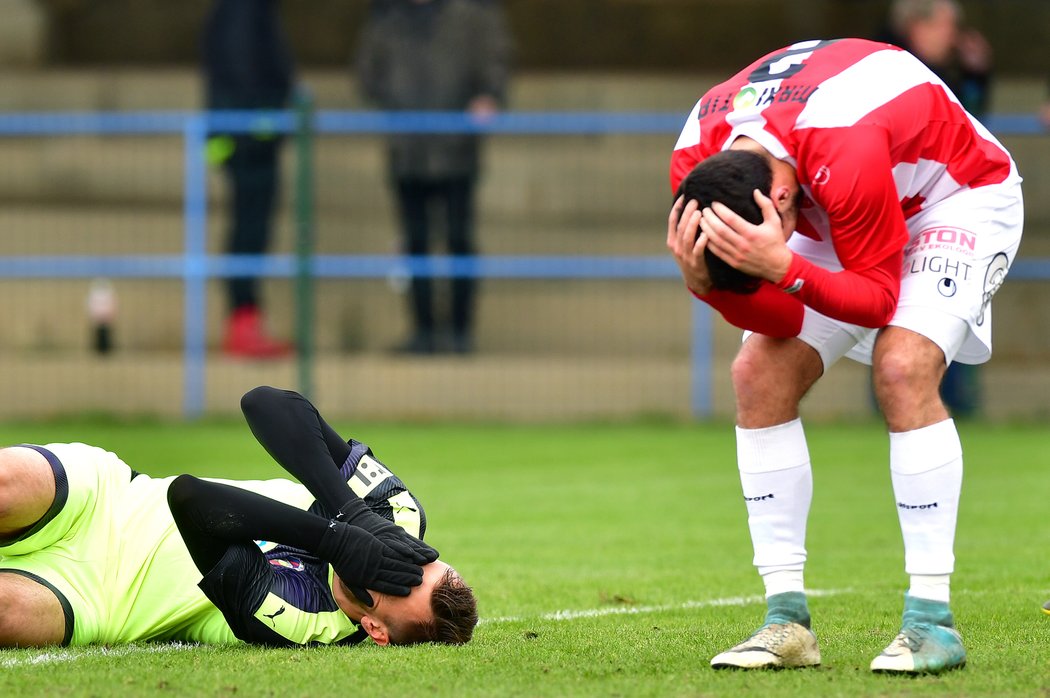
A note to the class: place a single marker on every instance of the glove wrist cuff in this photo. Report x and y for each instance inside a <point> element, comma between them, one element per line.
<point>351,510</point>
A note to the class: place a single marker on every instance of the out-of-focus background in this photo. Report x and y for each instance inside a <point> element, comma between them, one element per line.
<point>117,198</point>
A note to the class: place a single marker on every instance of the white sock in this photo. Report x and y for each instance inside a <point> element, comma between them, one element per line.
<point>780,581</point>
<point>777,482</point>
<point>935,587</point>
<point>926,468</point>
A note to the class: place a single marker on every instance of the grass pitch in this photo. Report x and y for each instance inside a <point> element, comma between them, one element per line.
<point>614,560</point>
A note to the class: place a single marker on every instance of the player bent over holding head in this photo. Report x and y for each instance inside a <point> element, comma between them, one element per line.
<point>835,199</point>
<point>90,551</point>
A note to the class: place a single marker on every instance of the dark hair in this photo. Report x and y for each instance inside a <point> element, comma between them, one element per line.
<point>730,178</point>
<point>455,610</point>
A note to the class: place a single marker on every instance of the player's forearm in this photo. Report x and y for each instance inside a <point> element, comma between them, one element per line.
<point>867,298</point>
<point>211,516</point>
<point>768,311</point>
<point>290,429</point>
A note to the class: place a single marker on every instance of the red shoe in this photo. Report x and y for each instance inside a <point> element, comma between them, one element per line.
<point>245,337</point>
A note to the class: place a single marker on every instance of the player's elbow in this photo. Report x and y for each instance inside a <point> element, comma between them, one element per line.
<point>257,399</point>
<point>876,315</point>
<point>885,308</point>
<point>182,492</point>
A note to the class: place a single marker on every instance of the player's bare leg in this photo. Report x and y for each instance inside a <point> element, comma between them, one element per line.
<point>30,613</point>
<point>926,469</point>
<point>907,370</point>
<point>27,490</point>
<point>770,377</point>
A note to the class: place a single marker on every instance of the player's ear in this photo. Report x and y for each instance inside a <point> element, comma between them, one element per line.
<point>782,197</point>
<point>376,630</point>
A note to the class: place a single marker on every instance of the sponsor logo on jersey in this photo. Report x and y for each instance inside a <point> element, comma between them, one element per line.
<point>942,251</point>
<point>291,563</point>
<point>751,97</point>
<point>714,103</point>
<point>273,615</point>
<point>745,99</point>
<point>937,264</point>
<point>953,239</point>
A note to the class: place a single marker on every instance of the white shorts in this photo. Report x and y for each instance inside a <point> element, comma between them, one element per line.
<point>958,255</point>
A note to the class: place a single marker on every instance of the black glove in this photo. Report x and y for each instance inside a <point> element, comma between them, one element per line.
<point>356,513</point>
<point>362,561</point>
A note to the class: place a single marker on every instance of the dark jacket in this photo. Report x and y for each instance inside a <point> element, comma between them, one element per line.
<point>433,56</point>
<point>972,88</point>
<point>247,62</point>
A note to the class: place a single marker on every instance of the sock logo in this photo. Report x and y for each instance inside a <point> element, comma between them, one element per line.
<point>758,498</point>
<point>902,505</point>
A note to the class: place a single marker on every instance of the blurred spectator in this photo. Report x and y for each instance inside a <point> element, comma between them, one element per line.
<point>933,31</point>
<point>436,55</point>
<point>247,65</point>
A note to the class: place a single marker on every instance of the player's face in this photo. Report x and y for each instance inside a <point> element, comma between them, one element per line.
<point>389,613</point>
<point>398,611</point>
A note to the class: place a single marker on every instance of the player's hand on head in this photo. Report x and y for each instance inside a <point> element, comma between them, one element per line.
<point>403,543</point>
<point>759,250</point>
<point>686,242</point>
<point>363,561</point>
<point>410,548</point>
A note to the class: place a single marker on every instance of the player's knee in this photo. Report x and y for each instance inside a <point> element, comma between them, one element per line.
<point>27,487</point>
<point>30,615</point>
<point>897,375</point>
<point>755,375</point>
<point>745,370</point>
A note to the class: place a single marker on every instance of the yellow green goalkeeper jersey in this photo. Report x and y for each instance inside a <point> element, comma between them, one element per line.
<point>110,551</point>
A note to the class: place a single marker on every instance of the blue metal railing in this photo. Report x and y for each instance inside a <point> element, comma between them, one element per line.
<point>195,267</point>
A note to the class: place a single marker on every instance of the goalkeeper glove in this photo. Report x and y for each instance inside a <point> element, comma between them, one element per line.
<point>362,561</point>
<point>357,513</point>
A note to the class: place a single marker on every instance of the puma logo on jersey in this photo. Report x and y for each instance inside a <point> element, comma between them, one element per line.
<point>271,616</point>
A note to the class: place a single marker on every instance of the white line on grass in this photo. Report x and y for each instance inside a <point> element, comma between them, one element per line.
<point>74,654</point>
<point>632,610</point>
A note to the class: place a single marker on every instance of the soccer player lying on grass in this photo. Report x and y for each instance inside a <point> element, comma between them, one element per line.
<point>835,199</point>
<point>90,551</point>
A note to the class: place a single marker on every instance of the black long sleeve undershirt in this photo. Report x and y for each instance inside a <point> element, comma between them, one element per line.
<point>211,516</point>
<point>295,435</point>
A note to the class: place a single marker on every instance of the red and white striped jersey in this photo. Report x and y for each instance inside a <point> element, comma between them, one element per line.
<point>873,135</point>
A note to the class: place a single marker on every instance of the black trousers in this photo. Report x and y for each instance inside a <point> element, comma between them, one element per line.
<point>447,204</point>
<point>252,172</point>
